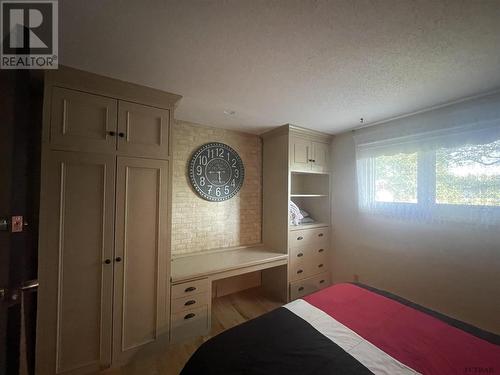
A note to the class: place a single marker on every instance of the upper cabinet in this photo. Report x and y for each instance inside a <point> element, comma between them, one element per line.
<point>81,121</point>
<point>320,157</point>
<point>307,154</point>
<point>143,130</point>
<point>300,153</point>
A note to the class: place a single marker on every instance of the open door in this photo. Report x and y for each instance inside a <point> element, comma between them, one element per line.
<point>20,142</point>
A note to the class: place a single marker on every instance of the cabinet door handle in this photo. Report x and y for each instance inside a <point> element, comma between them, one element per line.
<point>300,238</point>
<point>301,289</point>
<point>300,271</point>
<point>320,235</point>
<point>190,302</point>
<point>320,265</point>
<point>107,261</point>
<point>118,259</point>
<point>190,289</point>
<point>321,250</point>
<point>112,133</point>
<point>121,134</point>
<point>300,255</point>
<point>189,316</point>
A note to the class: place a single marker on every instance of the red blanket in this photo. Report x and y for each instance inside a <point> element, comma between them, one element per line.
<point>416,339</point>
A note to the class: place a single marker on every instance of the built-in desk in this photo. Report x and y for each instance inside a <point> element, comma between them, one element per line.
<point>226,263</point>
<point>192,277</point>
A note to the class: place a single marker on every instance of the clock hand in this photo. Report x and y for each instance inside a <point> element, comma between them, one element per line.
<point>218,173</point>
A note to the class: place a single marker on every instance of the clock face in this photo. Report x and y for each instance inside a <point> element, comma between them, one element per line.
<point>216,172</point>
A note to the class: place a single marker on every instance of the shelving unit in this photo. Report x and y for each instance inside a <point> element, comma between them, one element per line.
<point>310,192</point>
<point>296,168</point>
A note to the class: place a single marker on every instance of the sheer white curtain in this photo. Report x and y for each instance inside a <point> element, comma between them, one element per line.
<point>441,165</point>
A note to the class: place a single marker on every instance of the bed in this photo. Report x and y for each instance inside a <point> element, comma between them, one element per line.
<point>349,329</point>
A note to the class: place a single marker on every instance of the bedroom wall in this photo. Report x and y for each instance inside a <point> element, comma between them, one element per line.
<point>451,269</point>
<point>200,225</point>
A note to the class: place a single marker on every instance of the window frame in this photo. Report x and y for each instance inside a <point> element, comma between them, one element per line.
<point>426,205</point>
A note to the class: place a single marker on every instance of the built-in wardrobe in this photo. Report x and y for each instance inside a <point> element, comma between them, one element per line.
<point>104,246</point>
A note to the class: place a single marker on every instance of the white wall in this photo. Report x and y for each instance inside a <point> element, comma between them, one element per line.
<point>451,269</point>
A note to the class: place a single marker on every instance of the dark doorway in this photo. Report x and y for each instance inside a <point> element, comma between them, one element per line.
<point>21,93</point>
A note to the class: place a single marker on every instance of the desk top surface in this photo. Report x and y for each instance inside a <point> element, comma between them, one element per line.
<point>208,264</point>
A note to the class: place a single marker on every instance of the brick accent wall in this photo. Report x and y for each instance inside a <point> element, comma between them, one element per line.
<point>199,225</point>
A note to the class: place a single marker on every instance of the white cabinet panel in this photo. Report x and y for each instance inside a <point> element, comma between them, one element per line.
<point>82,122</point>
<point>76,297</point>
<point>143,130</point>
<point>320,157</point>
<point>141,254</point>
<point>300,154</point>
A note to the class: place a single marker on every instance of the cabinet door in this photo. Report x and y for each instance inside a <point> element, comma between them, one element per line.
<point>320,155</point>
<point>82,122</point>
<point>76,282</point>
<point>143,130</point>
<point>300,153</point>
<point>141,255</point>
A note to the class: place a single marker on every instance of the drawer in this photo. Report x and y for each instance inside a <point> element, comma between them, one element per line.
<point>300,269</point>
<point>189,323</point>
<point>189,302</point>
<point>309,285</point>
<point>302,237</point>
<point>315,250</point>
<point>190,288</point>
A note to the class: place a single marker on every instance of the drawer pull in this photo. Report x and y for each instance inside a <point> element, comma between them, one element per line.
<point>189,316</point>
<point>301,289</point>
<point>321,250</point>
<point>320,235</point>
<point>300,255</point>
<point>300,271</point>
<point>190,302</point>
<point>300,238</point>
<point>321,281</point>
<point>320,265</point>
<point>190,289</point>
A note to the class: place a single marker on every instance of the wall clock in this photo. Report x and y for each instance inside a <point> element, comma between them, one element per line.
<point>216,172</point>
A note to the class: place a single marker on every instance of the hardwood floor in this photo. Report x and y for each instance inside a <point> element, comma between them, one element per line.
<point>227,312</point>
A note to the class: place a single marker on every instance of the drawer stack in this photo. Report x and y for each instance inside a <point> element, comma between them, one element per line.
<point>308,262</point>
<point>189,309</point>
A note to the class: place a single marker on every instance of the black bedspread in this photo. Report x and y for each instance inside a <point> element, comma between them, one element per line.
<point>276,343</point>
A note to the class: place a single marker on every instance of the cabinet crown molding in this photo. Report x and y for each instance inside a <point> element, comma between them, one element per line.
<point>101,85</point>
<point>298,130</point>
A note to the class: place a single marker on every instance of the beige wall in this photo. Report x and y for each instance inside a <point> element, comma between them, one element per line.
<point>199,225</point>
<point>451,269</point>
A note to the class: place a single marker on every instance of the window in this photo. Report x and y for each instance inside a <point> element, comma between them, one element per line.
<point>396,178</point>
<point>469,175</point>
<point>431,173</point>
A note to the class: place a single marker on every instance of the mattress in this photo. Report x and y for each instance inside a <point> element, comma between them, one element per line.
<point>349,329</point>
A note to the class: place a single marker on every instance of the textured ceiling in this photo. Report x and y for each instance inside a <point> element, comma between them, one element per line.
<point>318,64</point>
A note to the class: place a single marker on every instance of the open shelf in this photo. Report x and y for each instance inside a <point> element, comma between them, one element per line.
<point>318,208</point>
<point>308,195</point>
<point>308,226</point>
<point>309,185</point>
